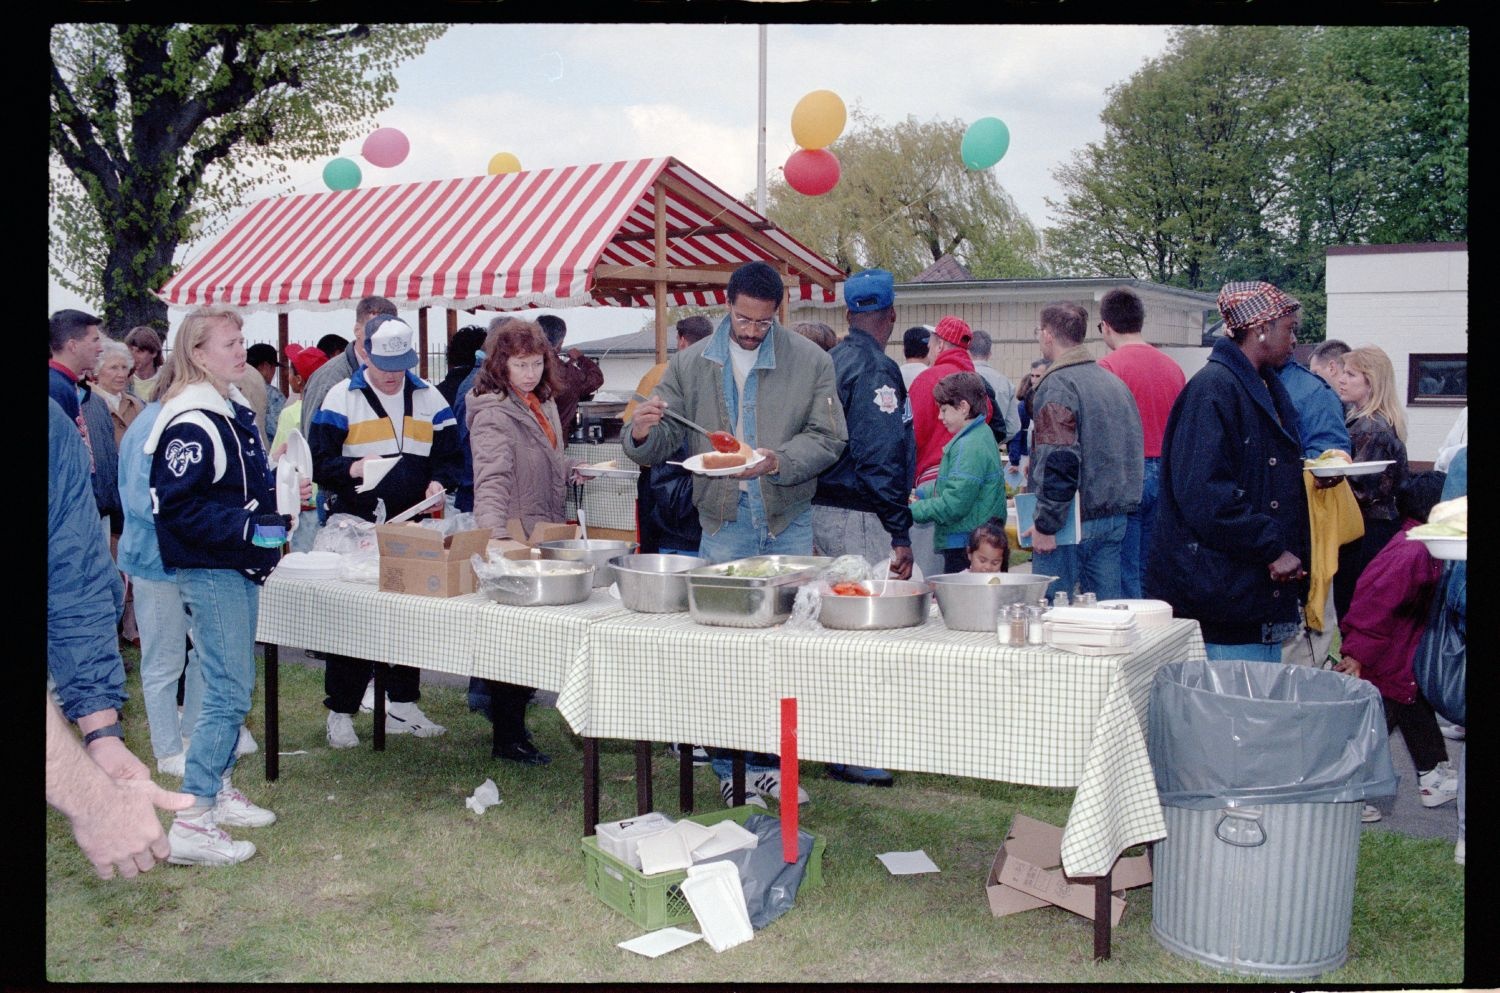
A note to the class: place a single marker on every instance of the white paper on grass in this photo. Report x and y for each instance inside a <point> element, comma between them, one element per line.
<point>717,897</point>
<point>655,943</point>
<point>908,863</point>
<point>723,838</point>
<point>487,795</point>
<point>664,851</point>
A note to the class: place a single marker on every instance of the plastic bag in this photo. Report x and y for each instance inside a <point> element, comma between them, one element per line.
<point>361,566</point>
<point>449,524</point>
<point>769,882</point>
<point>346,533</point>
<point>1440,665</point>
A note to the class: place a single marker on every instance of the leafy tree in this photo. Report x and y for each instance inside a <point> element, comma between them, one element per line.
<point>904,200</point>
<point>158,128</point>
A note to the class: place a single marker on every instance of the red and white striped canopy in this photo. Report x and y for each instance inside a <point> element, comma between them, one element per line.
<point>564,237</point>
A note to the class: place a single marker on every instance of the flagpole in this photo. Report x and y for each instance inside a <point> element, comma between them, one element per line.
<point>760,143</point>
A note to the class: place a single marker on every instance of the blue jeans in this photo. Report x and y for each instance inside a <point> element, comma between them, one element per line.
<point>1138,532</point>
<point>224,605</point>
<point>164,629</point>
<point>1250,652</point>
<point>738,539</point>
<point>1092,565</point>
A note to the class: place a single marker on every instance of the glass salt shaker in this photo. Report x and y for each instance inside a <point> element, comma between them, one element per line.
<point>1002,626</point>
<point>1034,625</point>
<point>1060,598</point>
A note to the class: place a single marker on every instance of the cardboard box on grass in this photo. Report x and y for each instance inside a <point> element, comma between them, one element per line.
<point>1027,874</point>
<point>520,544</point>
<point>419,560</point>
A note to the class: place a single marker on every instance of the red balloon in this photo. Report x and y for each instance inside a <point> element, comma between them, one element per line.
<point>811,171</point>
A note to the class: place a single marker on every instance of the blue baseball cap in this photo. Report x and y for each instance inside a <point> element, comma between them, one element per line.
<point>873,289</point>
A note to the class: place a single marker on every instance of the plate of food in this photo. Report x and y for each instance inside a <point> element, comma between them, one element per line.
<point>721,463</point>
<point>1446,533</point>
<point>1335,462</point>
<point>610,469</point>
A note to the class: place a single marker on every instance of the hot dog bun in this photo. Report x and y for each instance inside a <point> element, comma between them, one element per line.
<point>723,460</point>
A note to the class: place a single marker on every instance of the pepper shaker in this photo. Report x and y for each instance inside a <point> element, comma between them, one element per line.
<point>1017,624</point>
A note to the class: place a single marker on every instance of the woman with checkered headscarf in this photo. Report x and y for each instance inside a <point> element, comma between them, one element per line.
<point>1232,526</point>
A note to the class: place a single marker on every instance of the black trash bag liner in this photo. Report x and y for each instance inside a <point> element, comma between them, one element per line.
<point>770,884</point>
<point>1233,733</point>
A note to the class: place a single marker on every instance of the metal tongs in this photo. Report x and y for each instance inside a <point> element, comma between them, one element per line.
<point>722,441</point>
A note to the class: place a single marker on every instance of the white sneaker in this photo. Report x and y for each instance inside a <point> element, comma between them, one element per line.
<point>341,730</point>
<point>1370,814</point>
<point>726,790</point>
<point>367,702</point>
<point>1438,785</point>
<point>407,718</point>
<point>246,744</point>
<point>235,809</point>
<point>199,841</point>
<point>173,765</point>
<point>768,783</point>
<point>1453,732</point>
<point>1458,852</point>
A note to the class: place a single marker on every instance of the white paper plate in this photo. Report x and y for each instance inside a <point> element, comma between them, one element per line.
<point>375,471</point>
<point>1352,469</point>
<point>695,464</point>
<point>608,471</point>
<point>298,453</point>
<point>1448,548</point>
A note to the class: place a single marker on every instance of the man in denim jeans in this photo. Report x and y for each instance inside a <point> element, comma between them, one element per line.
<point>1154,381</point>
<point>774,390</point>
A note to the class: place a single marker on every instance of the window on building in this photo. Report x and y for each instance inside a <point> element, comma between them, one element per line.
<point>1437,380</point>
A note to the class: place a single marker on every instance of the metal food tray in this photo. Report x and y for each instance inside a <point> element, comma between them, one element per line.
<point>750,601</point>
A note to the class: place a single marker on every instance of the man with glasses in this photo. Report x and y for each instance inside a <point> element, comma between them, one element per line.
<point>775,391</point>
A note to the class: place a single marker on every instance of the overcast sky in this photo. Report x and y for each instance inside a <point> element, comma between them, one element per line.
<point>555,95</point>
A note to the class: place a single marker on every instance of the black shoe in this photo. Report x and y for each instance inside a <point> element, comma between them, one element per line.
<point>861,776</point>
<point>522,751</point>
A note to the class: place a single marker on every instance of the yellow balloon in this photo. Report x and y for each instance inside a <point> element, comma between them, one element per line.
<point>504,162</point>
<point>818,119</point>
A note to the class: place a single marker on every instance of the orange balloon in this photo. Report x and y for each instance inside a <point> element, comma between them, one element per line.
<point>504,162</point>
<point>818,119</point>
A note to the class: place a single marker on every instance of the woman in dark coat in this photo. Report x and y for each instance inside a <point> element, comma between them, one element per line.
<point>1232,527</point>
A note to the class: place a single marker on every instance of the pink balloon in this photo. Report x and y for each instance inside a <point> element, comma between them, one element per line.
<point>812,171</point>
<point>386,147</point>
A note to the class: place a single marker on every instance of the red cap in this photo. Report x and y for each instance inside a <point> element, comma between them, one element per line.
<point>954,331</point>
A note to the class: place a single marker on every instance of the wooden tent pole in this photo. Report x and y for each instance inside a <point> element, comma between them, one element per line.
<point>661,268</point>
<point>283,335</point>
<point>422,342</point>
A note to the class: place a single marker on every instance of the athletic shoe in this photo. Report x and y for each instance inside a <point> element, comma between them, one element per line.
<point>1458,852</point>
<point>200,841</point>
<point>1453,732</point>
<point>1370,814</point>
<point>246,744</point>
<point>1438,785</point>
<point>234,809</point>
<point>726,790</point>
<point>407,718</point>
<point>861,775</point>
<point>367,702</point>
<point>700,757</point>
<point>768,783</point>
<point>173,765</point>
<point>341,730</point>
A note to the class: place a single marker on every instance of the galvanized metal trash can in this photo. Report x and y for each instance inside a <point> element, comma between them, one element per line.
<point>1262,770</point>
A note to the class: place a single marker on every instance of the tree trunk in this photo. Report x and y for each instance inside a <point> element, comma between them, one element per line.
<point>128,302</point>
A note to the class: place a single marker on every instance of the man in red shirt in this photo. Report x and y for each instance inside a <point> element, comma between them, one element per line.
<point>1154,381</point>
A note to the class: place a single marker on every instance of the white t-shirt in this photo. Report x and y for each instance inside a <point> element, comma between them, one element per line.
<point>741,360</point>
<point>395,409</point>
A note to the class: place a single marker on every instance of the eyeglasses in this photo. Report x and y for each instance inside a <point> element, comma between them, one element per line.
<point>745,322</point>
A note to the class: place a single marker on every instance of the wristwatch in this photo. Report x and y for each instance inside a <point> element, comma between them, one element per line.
<point>108,731</point>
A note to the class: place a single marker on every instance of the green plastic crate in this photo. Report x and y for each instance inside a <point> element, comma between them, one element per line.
<point>657,901</point>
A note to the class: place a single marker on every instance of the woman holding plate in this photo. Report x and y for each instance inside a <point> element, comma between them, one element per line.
<point>1377,431</point>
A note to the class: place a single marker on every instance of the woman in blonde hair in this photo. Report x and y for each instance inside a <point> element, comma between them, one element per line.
<point>1377,432</point>
<point>217,526</point>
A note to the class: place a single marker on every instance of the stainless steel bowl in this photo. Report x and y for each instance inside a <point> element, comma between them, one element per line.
<point>595,551</point>
<point>896,603</point>
<point>540,583</point>
<point>724,595</point>
<point>654,584</point>
<point>971,601</point>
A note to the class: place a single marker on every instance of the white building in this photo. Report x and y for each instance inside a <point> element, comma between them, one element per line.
<point>1413,302</point>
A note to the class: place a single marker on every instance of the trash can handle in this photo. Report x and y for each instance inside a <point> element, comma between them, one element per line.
<point>1241,827</point>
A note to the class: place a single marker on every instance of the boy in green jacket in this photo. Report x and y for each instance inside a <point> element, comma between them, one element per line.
<point>970,486</point>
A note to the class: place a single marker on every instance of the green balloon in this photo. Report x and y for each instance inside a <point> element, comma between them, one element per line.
<point>985,143</point>
<point>341,174</point>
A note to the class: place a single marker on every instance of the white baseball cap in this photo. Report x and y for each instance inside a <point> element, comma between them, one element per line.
<point>388,343</point>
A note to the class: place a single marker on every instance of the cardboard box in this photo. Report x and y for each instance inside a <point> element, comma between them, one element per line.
<point>520,544</point>
<point>419,560</point>
<point>1027,874</point>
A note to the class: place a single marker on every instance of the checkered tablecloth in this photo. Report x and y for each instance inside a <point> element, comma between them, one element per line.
<point>923,699</point>
<point>465,635</point>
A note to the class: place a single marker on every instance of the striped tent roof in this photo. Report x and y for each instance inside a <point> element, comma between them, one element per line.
<point>565,237</point>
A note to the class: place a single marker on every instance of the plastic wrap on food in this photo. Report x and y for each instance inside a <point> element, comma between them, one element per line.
<point>805,608</point>
<point>847,569</point>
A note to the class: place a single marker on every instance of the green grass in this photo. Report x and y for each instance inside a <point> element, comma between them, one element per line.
<point>376,872</point>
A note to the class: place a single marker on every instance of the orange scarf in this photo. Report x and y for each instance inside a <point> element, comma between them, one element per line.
<point>541,418</point>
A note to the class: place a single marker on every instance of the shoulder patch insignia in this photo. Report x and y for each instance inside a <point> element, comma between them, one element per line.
<point>885,399</point>
<point>182,454</point>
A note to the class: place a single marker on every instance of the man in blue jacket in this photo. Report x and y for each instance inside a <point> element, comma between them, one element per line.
<point>860,506</point>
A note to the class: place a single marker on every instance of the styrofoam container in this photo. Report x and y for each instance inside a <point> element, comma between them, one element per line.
<point>619,838</point>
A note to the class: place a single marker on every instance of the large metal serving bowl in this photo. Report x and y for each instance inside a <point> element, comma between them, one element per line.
<point>541,583</point>
<point>654,584</point>
<point>899,604</point>
<point>595,551</point>
<point>971,601</point>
